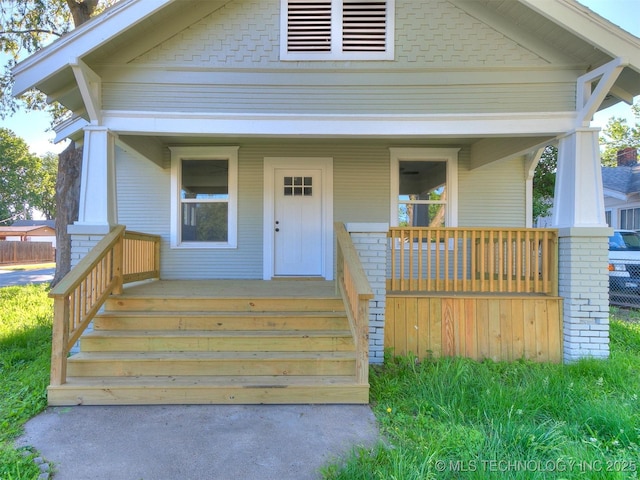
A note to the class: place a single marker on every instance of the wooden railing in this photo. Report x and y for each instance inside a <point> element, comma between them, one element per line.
<point>356,292</point>
<point>500,260</point>
<point>120,257</point>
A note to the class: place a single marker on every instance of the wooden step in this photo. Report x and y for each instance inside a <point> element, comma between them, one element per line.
<point>236,304</point>
<point>159,390</point>
<point>125,364</point>
<point>167,320</point>
<point>218,341</point>
<point>153,346</point>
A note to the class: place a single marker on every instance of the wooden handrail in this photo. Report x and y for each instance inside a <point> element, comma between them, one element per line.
<point>82,292</point>
<point>356,292</point>
<point>488,260</point>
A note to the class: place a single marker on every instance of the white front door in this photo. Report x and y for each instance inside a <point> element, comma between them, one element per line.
<point>298,226</point>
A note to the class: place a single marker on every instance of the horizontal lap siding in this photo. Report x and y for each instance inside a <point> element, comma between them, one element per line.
<point>493,195</point>
<point>497,328</point>
<point>361,193</point>
<point>338,99</point>
<point>144,205</point>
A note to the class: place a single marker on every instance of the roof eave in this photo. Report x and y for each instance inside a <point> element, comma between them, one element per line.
<point>590,27</point>
<point>54,58</point>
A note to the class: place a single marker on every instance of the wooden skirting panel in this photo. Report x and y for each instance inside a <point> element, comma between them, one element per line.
<point>477,327</point>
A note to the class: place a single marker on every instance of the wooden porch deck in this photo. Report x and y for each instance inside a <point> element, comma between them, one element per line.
<point>277,288</point>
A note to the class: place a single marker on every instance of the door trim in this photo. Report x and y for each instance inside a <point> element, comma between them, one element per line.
<point>325,165</point>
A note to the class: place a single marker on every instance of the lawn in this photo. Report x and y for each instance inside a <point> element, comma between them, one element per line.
<point>25,348</point>
<point>444,419</point>
<point>460,419</point>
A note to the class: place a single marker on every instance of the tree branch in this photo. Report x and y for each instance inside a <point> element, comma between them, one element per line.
<point>33,30</point>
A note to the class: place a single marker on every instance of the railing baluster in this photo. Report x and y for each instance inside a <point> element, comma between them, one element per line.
<point>79,296</point>
<point>403,273</point>
<point>410,246</point>
<point>506,260</point>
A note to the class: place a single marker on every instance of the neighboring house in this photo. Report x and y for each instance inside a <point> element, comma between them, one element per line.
<point>28,233</point>
<point>38,230</point>
<point>621,187</point>
<point>243,135</point>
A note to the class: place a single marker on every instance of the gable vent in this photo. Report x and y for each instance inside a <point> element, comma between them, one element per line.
<point>309,26</point>
<point>364,26</point>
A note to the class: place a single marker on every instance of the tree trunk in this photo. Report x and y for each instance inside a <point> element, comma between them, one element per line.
<point>69,169</point>
<point>81,10</point>
<point>67,205</point>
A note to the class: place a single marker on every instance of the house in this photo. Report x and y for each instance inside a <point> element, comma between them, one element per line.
<point>255,147</point>
<point>33,241</point>
<point>30,231</point>
<point>621,186</point>
<point>27,233</point>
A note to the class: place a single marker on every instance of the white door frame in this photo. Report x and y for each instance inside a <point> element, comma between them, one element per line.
<point>325,165</point>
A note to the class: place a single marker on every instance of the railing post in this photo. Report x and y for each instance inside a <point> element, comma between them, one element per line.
<point>59,340</point>
<point>118,265</point>
<point>156,260</point>
<point>554,268</point>
<point>339,267</point>
<point>362,360</point>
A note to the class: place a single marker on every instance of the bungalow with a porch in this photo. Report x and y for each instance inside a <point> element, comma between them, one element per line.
<point>314,181</point>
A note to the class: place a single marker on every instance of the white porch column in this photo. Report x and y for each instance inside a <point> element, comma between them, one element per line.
<point>97,211</point>
<point>98,187</point>
<point>578,214</point>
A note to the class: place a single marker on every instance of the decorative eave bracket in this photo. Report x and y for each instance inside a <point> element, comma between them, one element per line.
<point>593,87</point>
<point>90,86</point>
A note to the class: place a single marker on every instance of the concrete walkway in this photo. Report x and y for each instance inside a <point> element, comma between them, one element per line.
<point>197,442</point>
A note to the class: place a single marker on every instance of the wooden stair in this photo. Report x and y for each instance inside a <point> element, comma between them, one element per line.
<point>190,350</point>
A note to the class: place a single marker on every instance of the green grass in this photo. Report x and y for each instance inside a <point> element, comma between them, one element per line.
<point>456,418</point>
<point>492,420</point>
<point>25,349</point>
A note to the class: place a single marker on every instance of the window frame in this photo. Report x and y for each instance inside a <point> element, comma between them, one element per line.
<point>629,212</point>
<point>336,52</point>
<point>178,154</point>
<point>448,155</point>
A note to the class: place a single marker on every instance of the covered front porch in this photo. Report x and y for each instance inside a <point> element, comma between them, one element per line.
<point>480,293</point>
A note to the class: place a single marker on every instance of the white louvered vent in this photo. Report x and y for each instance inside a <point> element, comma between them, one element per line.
<point>364,26</point>
<point>309,26</point>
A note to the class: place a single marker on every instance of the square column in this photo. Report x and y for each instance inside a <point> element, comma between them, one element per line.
<point>578,213</point>
<point>97,212</point>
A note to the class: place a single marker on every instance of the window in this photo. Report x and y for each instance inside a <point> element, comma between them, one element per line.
<point>607,217</point>
<point>630,219</point>
<point>204,197</point>
<point>424,187</point>
<point>337,30</point>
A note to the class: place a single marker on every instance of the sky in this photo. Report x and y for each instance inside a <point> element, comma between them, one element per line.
<point>33,126</point>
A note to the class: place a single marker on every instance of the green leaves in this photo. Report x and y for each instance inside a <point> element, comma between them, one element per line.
<point>26,181</point>
<point>544,180</point>
<point>618,135</point>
